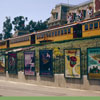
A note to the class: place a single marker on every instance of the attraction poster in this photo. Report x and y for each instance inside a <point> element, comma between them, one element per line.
<point>46,65</point>
<point>2,64</point>
<point>93,60</point>
<point>72,63</point>
<point>12,63</point>
<point>29,59</point>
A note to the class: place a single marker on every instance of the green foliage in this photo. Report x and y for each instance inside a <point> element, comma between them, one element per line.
<point>31,26</point>
<point>40,25</point>
<point>36,26</point>
<point>7,28</point>
<point>19,23</point>
<point>57,52</point>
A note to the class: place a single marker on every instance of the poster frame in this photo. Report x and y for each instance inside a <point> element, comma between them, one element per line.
<point>87,63</point>
<point>5,64</point>
<point>80,64</point>
<point>34,62</point>
<point>12,73</point>
<point>51,75</point>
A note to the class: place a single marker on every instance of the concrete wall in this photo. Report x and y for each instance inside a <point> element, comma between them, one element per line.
<point>57,81</point>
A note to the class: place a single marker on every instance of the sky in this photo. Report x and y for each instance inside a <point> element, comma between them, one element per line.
<point>33,9</point>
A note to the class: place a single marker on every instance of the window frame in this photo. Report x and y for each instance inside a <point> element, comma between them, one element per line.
<point>95,26</point>
<point>59,33</point>
<point>53,33</point>
<point>92,26</point>
<point>87,27</point>
<point>62,32</point>
<point>68,30</point>
<point>56,33</point>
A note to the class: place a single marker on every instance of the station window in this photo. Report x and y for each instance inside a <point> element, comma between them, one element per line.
<point>59,32</point>
<point>52,34</point>
<point>91,26</point>
<point>55,33</point>
<point>69,30</point>
<point>65,31</point>
<point>96,25</point>
<point>86,27</point>
<point>56,16</point>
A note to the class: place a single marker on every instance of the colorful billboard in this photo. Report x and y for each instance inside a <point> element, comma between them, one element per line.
<point>2,64</point>
<point>73,63</point>
<point>29,59</point>
<point>93,62</point>
<point>46,64</point>
<point>12,63</point>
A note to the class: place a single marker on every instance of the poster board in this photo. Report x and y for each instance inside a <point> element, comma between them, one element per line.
<point>2,64</point>
<point>12,63</point>
<point>29,62</point>
<point>46,62</point>
<point>73,63</point>
<point>93,63</point>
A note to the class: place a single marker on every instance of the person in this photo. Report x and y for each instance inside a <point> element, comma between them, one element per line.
<point>46,62</point>
<point>90,11</point>
<point>32,66</point>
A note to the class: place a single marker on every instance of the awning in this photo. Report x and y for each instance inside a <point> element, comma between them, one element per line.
<point>19,49</point>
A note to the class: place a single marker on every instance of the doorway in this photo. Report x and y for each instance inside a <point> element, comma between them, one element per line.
<point>77,31</point>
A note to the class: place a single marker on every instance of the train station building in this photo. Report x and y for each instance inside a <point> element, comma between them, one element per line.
<point>67,14</point>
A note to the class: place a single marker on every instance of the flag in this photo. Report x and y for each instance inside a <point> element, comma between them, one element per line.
<point>97,5</point>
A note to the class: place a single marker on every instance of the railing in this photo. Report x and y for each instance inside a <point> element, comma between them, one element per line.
<point>58,64</point>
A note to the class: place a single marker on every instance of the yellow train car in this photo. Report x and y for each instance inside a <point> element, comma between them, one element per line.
<point>4,44</point>
<point>56,34</point>
<point>91,28</point>
<point>82,29</point>
<point>22,41</point>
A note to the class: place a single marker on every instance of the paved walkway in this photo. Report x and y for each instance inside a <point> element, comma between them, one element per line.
<point>9,88</point>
